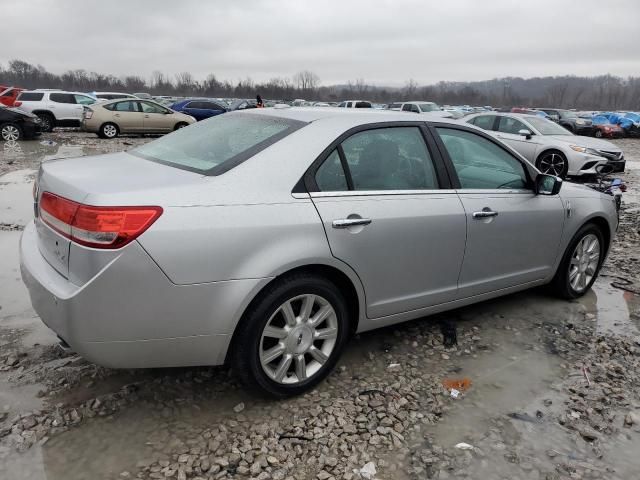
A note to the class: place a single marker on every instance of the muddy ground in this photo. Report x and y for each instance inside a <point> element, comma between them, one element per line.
<point>549,389</point>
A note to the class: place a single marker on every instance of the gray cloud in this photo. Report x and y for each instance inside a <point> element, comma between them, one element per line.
<point>384,42</point>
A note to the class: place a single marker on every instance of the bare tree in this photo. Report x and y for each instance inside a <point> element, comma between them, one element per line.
<point>306,81</point>
<point>410,88</point>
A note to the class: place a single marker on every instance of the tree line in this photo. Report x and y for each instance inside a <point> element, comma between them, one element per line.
<point>603,92</point>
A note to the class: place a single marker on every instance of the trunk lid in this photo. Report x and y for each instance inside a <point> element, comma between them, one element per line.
<point>118,179</point>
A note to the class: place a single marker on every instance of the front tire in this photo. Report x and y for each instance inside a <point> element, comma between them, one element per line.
<point>553,162</point>
<point>10,132</point>
<point>108,131</point>
<point>291,337</point>
<point>180,125</point>
<point>580,264</point>
<point>47,122</point>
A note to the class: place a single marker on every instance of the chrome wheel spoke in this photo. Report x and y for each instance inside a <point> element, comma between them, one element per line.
<point>289,316</point>
<point>271,354</point>
<point>301,368</point>
<point>282,369</point>
<point>321,315</point>
<point>275,332</point>
<point>325,333</point>
<point>307,306</point>
<point>573,273</point>
<point>318,355</point>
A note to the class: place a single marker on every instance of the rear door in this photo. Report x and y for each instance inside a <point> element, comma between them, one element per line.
<point>513,235</point>
<point>64,107</point>
<point>387,211</point>
<point>127,116</point>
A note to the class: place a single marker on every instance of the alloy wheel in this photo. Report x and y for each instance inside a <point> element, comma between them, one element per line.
<point>584,262</point>
<point>110,131</point>
<point>45,123</point>
<point>298,339</point>
<point>10,133</point>
<point>552,164</point>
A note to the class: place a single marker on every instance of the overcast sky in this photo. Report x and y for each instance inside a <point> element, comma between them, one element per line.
<point>384,42</point>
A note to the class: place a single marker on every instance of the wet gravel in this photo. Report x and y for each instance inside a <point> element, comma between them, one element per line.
<point>547,389</point>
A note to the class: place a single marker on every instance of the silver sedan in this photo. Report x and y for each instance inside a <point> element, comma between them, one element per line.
<point>550,147</point>
<point>266,238</point>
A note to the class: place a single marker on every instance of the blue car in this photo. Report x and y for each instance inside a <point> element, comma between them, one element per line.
<point>199,108</point>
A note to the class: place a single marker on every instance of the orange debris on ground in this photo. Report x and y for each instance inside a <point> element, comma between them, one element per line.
<point>460,384</point>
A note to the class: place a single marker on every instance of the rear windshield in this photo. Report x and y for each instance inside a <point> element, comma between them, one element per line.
<point>31,96</point>
<point>215,146</point>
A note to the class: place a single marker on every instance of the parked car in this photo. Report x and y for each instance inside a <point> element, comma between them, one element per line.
<point>603,128</point>
<point>241,105</point>
<point>143,95</point>
<point>267,238</point>
<point>396,106</point>
<point>419,107</point>
<point>551,148</point>
<point>56,108</point>
<point>110,119</point>
<point>199,108</point>
<point>570,120</point>
<point>17,125</point>
<point>354,104</point>
<point>8,95</point>
<point>111,95</point>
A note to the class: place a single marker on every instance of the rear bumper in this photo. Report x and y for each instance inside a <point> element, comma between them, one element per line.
<point>130,315</point>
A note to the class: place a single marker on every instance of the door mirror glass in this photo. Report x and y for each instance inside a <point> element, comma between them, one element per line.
<point>548,184</point>
<point>525,133</point>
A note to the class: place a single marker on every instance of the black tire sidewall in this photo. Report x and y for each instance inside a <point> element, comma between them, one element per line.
<point>20,132</point>
<point>562,283</point>
<point>246,345</point>
<point>180,125</point>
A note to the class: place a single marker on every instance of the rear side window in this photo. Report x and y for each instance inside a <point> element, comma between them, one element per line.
<point>31,96</point>
<point>484,121</point>
<point>62,98</point>
<point>216,145</point>
<point>362,105</point>
<point>330,176</point>
<point>511,125</point>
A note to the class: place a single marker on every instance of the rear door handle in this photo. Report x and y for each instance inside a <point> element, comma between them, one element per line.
<point>485,213</point>
<point>350,222</point>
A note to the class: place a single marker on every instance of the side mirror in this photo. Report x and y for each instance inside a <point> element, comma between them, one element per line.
<point>525,133</point>
<point>547,184</point>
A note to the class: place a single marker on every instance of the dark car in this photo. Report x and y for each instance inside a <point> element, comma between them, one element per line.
<point>17,125</point>
<point>200,109</point>
<point>570,120</point>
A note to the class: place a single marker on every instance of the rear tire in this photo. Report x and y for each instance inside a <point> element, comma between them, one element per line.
<point>10,132</point>
<point>47,122</point>
<point>580,264</point>
<point>553,162</point>
<point>108,130</point>
<point>291,336</point>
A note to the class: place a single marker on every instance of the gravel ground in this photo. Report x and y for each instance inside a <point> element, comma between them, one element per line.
<point>548,389</point>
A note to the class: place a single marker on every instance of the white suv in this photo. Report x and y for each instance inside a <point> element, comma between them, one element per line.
<point>56,108</point>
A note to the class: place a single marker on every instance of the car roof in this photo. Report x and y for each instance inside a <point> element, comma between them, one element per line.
<point>356,115</point>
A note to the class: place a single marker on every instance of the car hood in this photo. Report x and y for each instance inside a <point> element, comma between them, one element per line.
<point>575,190</point>
<point>588,142</point>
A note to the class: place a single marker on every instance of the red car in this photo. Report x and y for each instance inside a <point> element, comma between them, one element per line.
<point>8,95</point>
<point>608,130</point>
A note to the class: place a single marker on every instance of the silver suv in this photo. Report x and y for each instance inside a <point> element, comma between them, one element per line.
<point>56,108</point>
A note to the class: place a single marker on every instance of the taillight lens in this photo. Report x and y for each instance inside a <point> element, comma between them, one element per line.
<point>97,227</point>
<point>88,113</point>
<point>17,104</point>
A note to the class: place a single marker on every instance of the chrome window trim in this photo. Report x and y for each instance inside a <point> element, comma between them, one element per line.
<point>376,193</point>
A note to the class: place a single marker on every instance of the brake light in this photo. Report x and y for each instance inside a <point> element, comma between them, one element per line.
<point>17,104</point>
<point>88,113</point>
<point>96,227</point>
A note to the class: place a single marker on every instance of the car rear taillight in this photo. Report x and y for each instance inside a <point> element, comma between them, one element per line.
<point>96,227</point>
<point>88,113</point>
<point>17,104</point>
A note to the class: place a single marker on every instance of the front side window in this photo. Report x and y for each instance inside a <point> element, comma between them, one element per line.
<point>511,125</point>
<point>547,127</point>
<point>484,121</point>
<point>194,105</point>
<point>406,107</point>
<point>480,163</point>
<point>152,108</point>
<point>62,98</point>
<point>216,145</point>
<point>393,158</point>
<point>429,107</point>
<point>330,175</point>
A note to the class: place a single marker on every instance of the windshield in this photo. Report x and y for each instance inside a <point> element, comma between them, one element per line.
<point>567,114</point>
<point>429,107</point>
<point>547,127</point>
<point>216,145</point>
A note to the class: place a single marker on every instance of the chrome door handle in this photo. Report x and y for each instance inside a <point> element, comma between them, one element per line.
<point>350,222</point>
<point>485,213</point>
<point>116,115</point>
<point>146,116</point>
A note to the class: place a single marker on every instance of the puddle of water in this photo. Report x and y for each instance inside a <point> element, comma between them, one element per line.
<point>613,308</point>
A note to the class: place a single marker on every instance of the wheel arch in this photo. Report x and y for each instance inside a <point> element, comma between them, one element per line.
<point>604,227</point>
<point>43,111</point>
<point>348,284</point>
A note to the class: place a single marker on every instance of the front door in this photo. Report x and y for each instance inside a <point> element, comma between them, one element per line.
<point>513,235</point>
<point>508,132</point>
<point>378,194</point>
<point>127,116</point>
<point>157,118</point>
